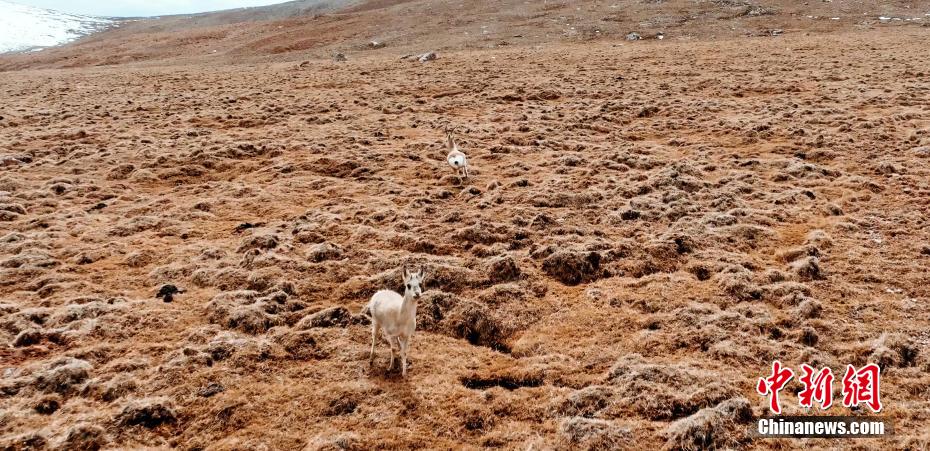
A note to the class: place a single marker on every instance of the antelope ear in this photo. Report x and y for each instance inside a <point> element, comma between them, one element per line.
<point>406,274</point>
<point>421,274</point>
<point>450,143</point>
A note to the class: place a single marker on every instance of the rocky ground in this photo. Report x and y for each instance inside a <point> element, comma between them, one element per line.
<point>648,225</point>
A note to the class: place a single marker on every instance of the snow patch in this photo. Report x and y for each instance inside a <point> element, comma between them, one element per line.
<point>29,28</point>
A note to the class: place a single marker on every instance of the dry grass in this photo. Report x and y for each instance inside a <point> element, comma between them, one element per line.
<point>649,225</point>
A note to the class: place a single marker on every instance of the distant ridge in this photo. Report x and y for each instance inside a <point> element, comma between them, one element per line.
<point>316,29</point>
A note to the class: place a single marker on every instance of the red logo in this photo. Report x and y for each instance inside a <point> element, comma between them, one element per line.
<point>816,388</point>
<point>859,387</point>
<point>774,383</point>
<point>862,386</point>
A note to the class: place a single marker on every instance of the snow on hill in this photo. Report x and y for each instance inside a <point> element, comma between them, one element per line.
<point>25,27</point>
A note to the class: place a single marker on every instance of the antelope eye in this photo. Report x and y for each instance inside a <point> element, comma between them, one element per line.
<point>408,286</point>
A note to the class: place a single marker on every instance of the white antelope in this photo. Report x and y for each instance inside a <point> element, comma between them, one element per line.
<point>396,315</point>
<point>456,157</point>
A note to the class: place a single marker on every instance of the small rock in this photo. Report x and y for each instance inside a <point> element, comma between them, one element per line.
<point>630,215</point>
<point>634,36</point>
<point>211,390</point>
<point>428,56</point>
<point>167,292</point>
<point>339,57</point>
<point>376,45</point>
<point>245,226</point>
